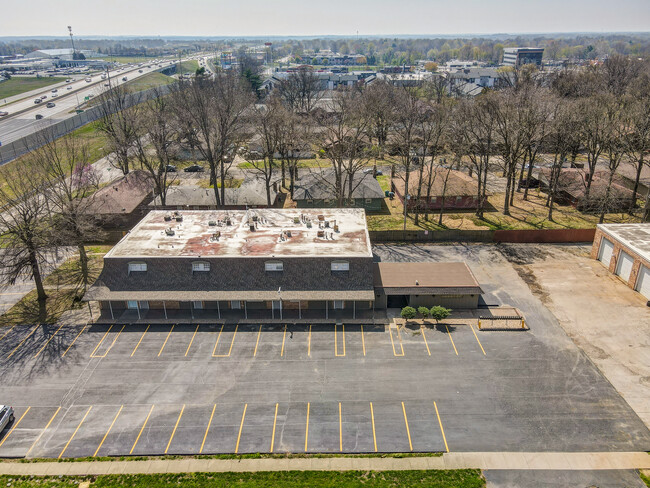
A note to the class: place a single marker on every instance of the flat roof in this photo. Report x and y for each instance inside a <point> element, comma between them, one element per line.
<point>424,275</point>
<point>635,237</point>
<point>194,236</point>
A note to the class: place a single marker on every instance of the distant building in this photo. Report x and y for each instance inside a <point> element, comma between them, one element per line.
<point>316,190</point>
<point>519,56</point>
<point>459,192</point>
<point>472,81</point>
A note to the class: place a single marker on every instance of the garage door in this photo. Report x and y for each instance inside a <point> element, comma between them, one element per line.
<point>605,251</point>
<point>624,266</point>
<point>643,283</point>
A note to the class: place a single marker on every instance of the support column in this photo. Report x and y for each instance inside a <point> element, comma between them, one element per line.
<point>165,309</point>
<point>192,309</point>
<point>299,310</point>
<point>280,309</point>
<point>111,307</point>
<point>326,309</point>
<point>245,310</point>
<point>137,306</point>
<point>354,309</point>
<point>218,310</point>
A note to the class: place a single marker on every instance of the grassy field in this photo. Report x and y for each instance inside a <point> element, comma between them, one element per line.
<point>96,142</point>
<point>18,85</point>
<point>150,80</point>
<point>189,66</point>
<point>462,478</point>
<point>530,214</point>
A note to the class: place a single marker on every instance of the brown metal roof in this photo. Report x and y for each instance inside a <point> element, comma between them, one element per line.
<point>427,277</point>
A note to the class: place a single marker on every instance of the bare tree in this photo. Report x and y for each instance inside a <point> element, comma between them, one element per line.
<point>378,100</point>
<point>301,90</point>
<point>292,139</point>
<point>638,140</point>
<point>25,230</point>
<point>118,121</point>
<point>593,132</point>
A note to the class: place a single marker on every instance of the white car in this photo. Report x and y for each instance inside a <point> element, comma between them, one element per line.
<point>6,416</point>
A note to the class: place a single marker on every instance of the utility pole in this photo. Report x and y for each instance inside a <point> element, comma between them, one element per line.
<point>72,42</point>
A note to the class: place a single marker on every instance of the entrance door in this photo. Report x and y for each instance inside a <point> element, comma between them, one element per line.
<point>397,301</point>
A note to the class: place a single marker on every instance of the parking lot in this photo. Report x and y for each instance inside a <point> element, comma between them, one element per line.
<point>185,389</point>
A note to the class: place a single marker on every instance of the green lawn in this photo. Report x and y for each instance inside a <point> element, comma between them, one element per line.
<point>462,478</point>
<point>189,66</point>
<point>150,80</point>
<point>18,85</point>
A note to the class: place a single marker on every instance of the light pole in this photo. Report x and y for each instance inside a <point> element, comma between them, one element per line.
<point>71,41</point>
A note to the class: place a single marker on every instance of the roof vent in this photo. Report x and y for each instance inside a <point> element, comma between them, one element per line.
<point>417,283</point>
<point>169,231</point>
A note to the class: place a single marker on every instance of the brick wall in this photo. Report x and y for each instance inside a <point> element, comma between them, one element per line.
<point>638,261</point>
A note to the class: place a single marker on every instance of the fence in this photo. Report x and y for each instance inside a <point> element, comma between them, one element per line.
<point>17,148</point>
<point>520,236</point>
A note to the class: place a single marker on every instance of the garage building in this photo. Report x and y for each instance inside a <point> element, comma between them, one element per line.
<point>624,249</point>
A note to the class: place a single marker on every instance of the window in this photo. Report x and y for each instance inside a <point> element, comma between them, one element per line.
<point>273,266</point>
<point>235,305</point>
<point>340,266</point>
<point>368,200</point>
<point>197,304</point>
<point>137,267</point>
<point>459,199</point>
<point>199,266</point>
<point>338,304</point>
<point>132,304</point>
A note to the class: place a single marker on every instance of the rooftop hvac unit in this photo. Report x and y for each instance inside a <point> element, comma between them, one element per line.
<point>321,218</point>
<point>179,218</point>
<point>212,223</point>
<point>252,227</point>
<point>296,220</point>
<point>228,221</point>
<point>168,218</point>
<point>288,233</point>
<point>309,224</point>
<point>254,218</point>
<point>169,231</point>
<point>321,233</point>
<point>327,223</point>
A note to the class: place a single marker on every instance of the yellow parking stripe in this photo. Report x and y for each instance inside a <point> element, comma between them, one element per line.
<point>75,432</point>
<point>275,418</point>
<point>284,336</point>
<point>399,336</point>
<point>43,431</point>
<point>141,430</point>
<point>175,427</point>
<point>372,419</point>
<point>141,337</point>
<point>74,340</point>
<point>108,431</point>
<point>441,429</point>
<point>48,341</point>
<point>307,426</point>
<point>336,342</point>
<point>363,341</point>
<point>258,341</point>
<point>21,342</point>
<point>241,426</point>
<point>7,333</point>
<point>207,429</point>
<point>340,429</point>
<point>425,339</point>
<point>14,426</point>
<point>479,342</point>
<point>109,347</point>
<point>92,354</point>
<point>408,431</point>
<point>217,343</point>
<point>191,340</point>
<point>309,342</point>
<point>452,340</point>
<point>166,339</point>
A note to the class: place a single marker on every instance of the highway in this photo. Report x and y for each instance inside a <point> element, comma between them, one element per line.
<point>22,121</point>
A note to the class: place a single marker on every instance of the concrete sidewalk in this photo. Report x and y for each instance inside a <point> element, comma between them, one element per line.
<point>455,460</point>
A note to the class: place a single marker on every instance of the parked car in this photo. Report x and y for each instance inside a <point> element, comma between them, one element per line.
<point>50,105</point>
<point>171,168</point>
<point>6,416</point>
<point>39,116</point>
<point>3,113</point>
<point>369,172</point>
<point>195,168</point>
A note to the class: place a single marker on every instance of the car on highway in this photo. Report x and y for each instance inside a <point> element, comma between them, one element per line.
<point>170,168</point>
<point>55,95</point>
<point>195,168</point>
<point>139,71</point>
<point>69,88</point>
<point>39,116</point>
<point>50,105</point>
<point>6,416</point>
<point>38,100</point>
<point>3,113</point>
<point>69,80</point>
<point>43,97</point>
<point>55,90</point>
<point>88,80</point>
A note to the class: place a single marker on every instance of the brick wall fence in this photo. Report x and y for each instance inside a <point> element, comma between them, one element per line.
<point>521,236</point>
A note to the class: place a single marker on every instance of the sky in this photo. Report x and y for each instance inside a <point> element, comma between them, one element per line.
<point>314,18</point>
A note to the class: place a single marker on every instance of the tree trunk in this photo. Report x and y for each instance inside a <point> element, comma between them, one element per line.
<point>506,202</point>
<point>83,262</point>
<point>529,175</point>
<point>283,175</point>
<point>636,180</point>
<point>606,199</point>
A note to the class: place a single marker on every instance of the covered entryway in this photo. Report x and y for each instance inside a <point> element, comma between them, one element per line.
<point>624,266</point>
<point>397,301</point>
<point>605,251</point>
<point>643,282</point>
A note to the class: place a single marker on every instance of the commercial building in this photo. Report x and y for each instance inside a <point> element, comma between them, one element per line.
<point>282,264</point>
<point>624,249</point>
<point>519,56</point>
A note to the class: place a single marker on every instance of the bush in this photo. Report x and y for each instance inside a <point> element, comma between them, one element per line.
<point>408,313</point>
<point>424,311</point>
<point>439,313</point>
